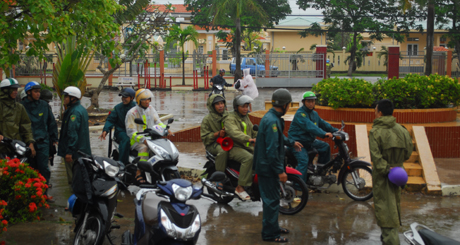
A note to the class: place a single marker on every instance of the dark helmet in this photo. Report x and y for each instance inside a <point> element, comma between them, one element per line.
<point>127,92</point>
<point>281,97</point>
<point>46,95</point>
<point>241,100</point>
<point>222,70</point>
<point>218,99</point>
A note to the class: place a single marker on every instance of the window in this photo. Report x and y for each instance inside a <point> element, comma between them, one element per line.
<point>412,49</point>
<point>443,39</point>
<point>338,60</point>
<point>200,49</point>
<point>224,54</point>
<point>412,39</point>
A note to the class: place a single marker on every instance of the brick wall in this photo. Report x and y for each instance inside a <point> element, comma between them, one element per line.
<point>444,141</point>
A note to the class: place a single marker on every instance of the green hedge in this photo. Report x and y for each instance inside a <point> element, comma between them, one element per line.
<point>411,92</point>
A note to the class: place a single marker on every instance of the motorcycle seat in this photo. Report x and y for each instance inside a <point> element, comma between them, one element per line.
<point>432,238</point>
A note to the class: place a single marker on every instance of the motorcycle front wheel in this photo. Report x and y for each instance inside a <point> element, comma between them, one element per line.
<point>295,197</point>
<point>92,234</point>
<point>354,183</point>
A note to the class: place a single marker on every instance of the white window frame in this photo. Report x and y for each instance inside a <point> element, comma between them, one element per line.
<point>412,52</point>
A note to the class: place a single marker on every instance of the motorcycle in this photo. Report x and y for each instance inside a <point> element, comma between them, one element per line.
<point>422,235</point>
<point>217,89</point>
<point>18,149</point>
<point>165,222</point>
<point>163,155</point>
<point>96,186</point>
<point>352,173</point>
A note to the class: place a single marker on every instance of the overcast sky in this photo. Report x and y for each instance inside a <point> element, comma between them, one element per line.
<point>294,7</point>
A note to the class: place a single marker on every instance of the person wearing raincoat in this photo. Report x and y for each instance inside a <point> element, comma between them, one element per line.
<point>14,121</point>
<point>150,117</point>
<point>117,119</point>
<point>238,127</point>
<point>74,135</point>
<point>390,145</point>
<point>248,86</point>
<point>47,96</point>
<point>212,128</point>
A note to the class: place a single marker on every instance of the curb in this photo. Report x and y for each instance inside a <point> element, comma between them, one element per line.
<point>450,190</point>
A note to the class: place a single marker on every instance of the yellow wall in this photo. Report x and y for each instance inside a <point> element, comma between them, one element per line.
<point>292,41</point>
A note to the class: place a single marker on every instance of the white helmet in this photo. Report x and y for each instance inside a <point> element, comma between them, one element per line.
<point>73,91</point>
<point>23,94</point>
<point>9,82</point>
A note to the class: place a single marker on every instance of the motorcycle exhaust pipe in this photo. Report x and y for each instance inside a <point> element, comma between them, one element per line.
<point>222,193</point>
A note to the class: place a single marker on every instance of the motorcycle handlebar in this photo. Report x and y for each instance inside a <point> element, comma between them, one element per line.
<point>83,154</point>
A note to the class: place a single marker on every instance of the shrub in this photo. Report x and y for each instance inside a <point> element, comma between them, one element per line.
<point>3,221</point>
<point>22,187</point>
<point>348,92</point>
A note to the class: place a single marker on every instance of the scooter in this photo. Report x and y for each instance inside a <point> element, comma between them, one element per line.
<point>352,173</point>
<point>422,235</point>
<point>166,222</point>
<point>163,155</point>
<point>96,186</point>
<point>217,89</point>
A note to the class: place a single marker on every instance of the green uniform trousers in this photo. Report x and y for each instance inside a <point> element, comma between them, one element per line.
<point>40,161</point>
<point>221,156</point>
<point>245,158</point>
<point>390,236</point>
<point>270,193</point>
<point>124,147</point>
<point>69,170</point>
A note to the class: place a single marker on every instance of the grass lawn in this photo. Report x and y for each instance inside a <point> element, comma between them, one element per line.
<point>359,75</point>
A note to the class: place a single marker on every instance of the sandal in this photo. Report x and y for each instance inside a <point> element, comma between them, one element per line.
<point>140,180</point>
<point>284,230</point>
<point>243,195</point>
<point>278,239</point>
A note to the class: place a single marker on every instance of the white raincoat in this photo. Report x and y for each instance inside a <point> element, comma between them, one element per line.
<point>251,89</point>
<point>150,118</point>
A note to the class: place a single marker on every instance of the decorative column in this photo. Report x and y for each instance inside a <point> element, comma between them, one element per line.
<point>393,61</point>
<point>321,61</point>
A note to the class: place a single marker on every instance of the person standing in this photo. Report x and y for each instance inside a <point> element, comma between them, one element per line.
<point>329,67</point>
<point>44,127</point>
<point>74,135</point>
<point>47,96</point>
<point>269,163</point>
<point>14,121</point>
<point>390,145</point>
<point>248,86</point>
<point>117,119</point>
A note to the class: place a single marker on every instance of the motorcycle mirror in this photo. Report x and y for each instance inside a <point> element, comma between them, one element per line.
<point>217,176</point>
<point>343,124</point>
<point>255,127</point>
<point>171,120</point>
<point>139,121</point>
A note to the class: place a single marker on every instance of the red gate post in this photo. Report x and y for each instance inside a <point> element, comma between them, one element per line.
<point>267,63</point>
<point>170,82</point>
<point>214,63</point>
<point>321,61</point>
<point>155,73</point>
<point>206,84</point>
<point>148,68</point>
<point>393,61</point>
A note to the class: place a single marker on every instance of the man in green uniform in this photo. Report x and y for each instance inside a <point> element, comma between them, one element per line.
<point>269,163</point>
<point>74,130</point>
<point>44,127</point>
<point>238,127</point>
<point>47,96</point>
<point>14,121</point>
<point>212,128</point>
<point>117,119</point>
<point>390,145</point>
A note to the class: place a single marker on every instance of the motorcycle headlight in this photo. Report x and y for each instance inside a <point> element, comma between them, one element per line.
<point>167,224</point>
<point>21,150</point>
<point>347,137</point>
<point>110,169</point>
<point>182,193</point>
<point>196,225</point>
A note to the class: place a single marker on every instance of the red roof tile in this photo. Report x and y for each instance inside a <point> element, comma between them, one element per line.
<point>179,8</point>
<point>439,48</point>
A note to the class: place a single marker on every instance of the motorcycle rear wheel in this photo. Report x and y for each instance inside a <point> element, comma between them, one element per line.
<point>297,196</point>
<point>360,193</point>
<point>94,232</point>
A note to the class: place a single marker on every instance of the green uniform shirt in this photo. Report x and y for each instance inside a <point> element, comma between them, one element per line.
<point>212,122</point>
<point>117,118</point>
<point>74,132</point>
<point>43,122</point>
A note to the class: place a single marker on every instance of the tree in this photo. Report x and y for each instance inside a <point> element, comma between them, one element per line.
<point>177,34</point>
<point>356,16</point>
<point>42,22</point>
<point>448,16</point>
<point>237,14</point>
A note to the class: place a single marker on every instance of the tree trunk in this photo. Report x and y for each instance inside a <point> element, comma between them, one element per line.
<point>237,44</point>
<point>95,92</point>
<point>352,56</point>
<point>183,66</point>
<point>429,38</point>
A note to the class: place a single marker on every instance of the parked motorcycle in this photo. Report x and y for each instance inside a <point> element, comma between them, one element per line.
<point>422,235</point>
<point>163,155</point>
<point>96,186</point>
<point>217,89</point>
<point>18,149</point>
<point>353,174</point>
<point>165,222</point>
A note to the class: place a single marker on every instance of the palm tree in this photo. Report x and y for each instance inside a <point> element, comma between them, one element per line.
<point>176,34</point>
<point>221,10</point>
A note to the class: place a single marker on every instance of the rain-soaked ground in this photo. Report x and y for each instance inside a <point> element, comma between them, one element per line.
<point>329,217</point>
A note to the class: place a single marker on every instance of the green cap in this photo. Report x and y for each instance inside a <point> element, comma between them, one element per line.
<point>309,95</point>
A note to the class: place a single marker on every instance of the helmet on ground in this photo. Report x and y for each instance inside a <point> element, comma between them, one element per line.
<point>398,176</point>
<point>218,99</point>
<point>32,85</point>
<point>241,100</point>
<point>23,94</point>
<point>127,92</point>
<point>222,70</point>
<point>72,91</point>
<point>9,83</point>
<point>281,97</point>
<point>143,94</point>
<point>46,95</point>
<point>309,95</point>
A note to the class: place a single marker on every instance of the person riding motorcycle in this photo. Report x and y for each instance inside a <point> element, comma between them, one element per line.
<point>117,119</point>
<point>212,128</point>
<point>238,127</point>
<point>150,117</point>
<point>14,121</point>
<point>305,127</point>
<point>219,80</point>
<point>44,127</point>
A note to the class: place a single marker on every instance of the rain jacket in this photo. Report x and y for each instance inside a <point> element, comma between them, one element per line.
<point>269,150</point>
<point>251,89</point>
<point>14,121</point>
<point>212,122</point>
<point>239,128</point>
<point>220,80</point>
<point>117,118</point>
<point>390,145</point>
<point>150,118</point>
<point>307,125</point>
<point>74,132</point>
<point>43,122</point>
